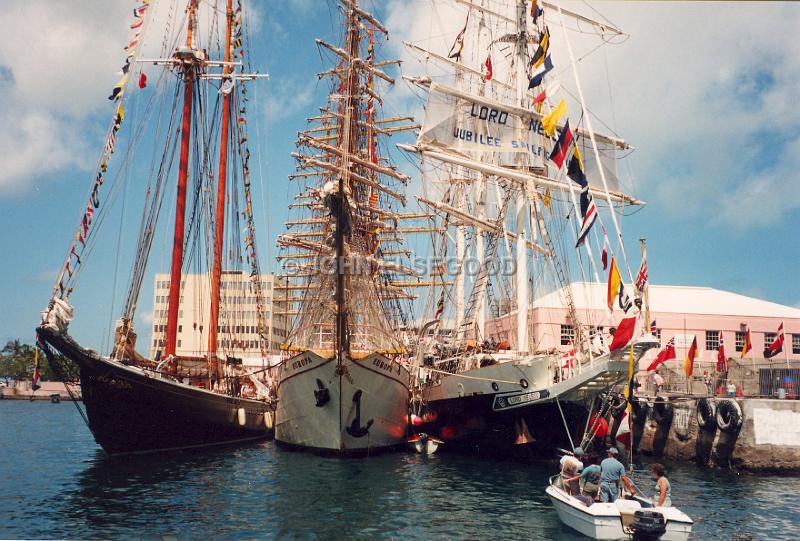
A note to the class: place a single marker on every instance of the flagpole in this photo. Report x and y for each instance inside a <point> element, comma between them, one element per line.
<point>688,388</point>
<point>785,348</point>
<point>646,291</point>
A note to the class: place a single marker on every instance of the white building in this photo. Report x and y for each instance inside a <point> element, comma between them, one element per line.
<point>237,334</point>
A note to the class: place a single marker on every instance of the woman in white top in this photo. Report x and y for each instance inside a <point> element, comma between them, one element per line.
<point>663,488</point>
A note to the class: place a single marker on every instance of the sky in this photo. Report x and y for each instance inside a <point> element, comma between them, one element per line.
<point>706,92</point>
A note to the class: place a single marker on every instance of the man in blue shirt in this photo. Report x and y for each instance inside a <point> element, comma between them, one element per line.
<point>591,478</point>
<point>611,472</point>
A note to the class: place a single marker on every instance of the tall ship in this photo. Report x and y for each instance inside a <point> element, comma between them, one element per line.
<point>523,193</point>
<point>343,386</point>
<point>176,158</point>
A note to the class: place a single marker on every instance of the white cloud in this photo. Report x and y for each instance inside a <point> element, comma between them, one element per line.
<point>288,98</point>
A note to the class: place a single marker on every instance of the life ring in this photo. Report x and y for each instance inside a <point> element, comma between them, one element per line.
<point>662,411</point>
<point>618,405</point>
<point>706,413</point>
<point>729,416</point>
<point>628,485</point>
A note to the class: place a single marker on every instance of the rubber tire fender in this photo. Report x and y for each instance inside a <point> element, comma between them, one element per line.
<point>639,408</point>
<point>706,414</point>
<point>662,411</point>
<point>729,416</point>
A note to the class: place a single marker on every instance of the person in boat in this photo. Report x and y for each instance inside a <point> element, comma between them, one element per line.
<point>590,477</point>
<point>611,472</point>
<point>663,497</point>
<point>571,465</point>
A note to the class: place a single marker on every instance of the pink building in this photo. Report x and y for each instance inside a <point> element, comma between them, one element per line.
<point>681,312</point>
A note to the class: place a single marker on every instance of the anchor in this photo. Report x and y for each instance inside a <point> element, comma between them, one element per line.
<point>355,429</point>
<point>322,395</point>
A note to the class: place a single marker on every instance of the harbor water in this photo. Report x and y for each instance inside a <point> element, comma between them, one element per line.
<point>55,482</point>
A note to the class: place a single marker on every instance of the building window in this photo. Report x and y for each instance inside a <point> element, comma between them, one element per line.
<point>740,336</point>
<point>796,344</point>
<point>712,340</point>
<point>769,338</point>
<point>180,328</point>
<point>567,335</point>
<point>179,343</point>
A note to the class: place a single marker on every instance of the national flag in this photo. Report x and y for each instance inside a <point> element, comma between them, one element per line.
<point>667,353</point>
<point>35,383</point>
<point>440,306</point>
<point>748,345</point>
<point>538,76</point>
<point>614,281</point>
<point>653,326</point>
<point>589,214</point>
<point>604,254</point>
<point>541,51</point>
<point>550,121</point>
<point>562,147</point>
<point>623,334</point>
<point>487,74</point>
<point>142,80</point>
<point>641,276</point>
<point>458,44</point>
<point>776,346</point>
<point>625,300</point>
<point>722,361</point>
<point>691,355</point>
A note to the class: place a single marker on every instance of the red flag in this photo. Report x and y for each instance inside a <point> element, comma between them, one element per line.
<point>624,333</point>
<point>691,355</point>
<point>142,80</point>
<point>776,346</point>
<point>487,75</point>
<point>664,355</point>
<point>722,361</point>
<point>604,255</point>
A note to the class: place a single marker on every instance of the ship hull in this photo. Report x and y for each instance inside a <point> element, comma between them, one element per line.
<point>510,409</point>
<point>131,411</point>
<point>360,410</point>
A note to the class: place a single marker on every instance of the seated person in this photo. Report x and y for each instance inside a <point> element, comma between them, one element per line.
<point>590,477</point>
<point>663,496</point>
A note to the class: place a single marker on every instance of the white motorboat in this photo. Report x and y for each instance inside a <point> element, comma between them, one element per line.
<point>423,444</point>
<point>631,518</point>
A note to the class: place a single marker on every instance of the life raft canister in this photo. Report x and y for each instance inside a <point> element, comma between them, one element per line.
<point>729,416</point>
<point>706,412</point>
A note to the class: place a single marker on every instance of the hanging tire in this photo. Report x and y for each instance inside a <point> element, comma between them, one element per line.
<point>729,416</point>
<point>662,411</point>
<point>706,413</point>
<point>639,411</point>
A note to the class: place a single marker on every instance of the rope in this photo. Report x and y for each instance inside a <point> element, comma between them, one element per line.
<point>470,377</point>
<point>54,364</point>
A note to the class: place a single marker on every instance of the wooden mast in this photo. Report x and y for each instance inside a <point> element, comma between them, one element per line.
<point>349,132</point>
<point>216,270</point>
<point>188,67</point>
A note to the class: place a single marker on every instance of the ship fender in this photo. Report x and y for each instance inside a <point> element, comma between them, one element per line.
<point>639,411</point>
<point>706,412</point>
<point>663,413</point>
<point>729,421</point>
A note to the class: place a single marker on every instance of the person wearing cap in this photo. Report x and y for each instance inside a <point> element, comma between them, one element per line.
<point>571,465</point>
<point>611,472</point>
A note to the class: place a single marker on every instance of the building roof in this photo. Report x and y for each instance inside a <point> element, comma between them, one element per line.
<point>676,299</point>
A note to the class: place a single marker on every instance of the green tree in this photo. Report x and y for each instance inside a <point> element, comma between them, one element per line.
<point>17,360</point>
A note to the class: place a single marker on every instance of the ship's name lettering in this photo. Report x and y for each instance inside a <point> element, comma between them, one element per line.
<point>487,113</point>
<point>382,365</point>
<point>301,363</point>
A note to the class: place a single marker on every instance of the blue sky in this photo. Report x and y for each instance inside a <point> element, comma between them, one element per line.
<point>706,92</point>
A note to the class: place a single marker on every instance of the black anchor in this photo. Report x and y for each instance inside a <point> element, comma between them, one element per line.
<point>355,429</point>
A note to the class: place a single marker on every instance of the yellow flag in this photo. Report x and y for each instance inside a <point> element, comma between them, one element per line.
<point>614,281</point>
<point>546,199</point>
<point>550,122</point>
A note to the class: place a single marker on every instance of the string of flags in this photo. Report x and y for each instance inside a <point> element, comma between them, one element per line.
<point>79,242</point>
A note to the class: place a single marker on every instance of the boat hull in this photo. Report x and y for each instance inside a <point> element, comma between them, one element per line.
<point>362,410</point>
<point>510,409</point>
<point>604,520</point>
<point>131,411</point>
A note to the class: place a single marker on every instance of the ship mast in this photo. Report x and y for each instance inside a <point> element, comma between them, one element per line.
<point>216,271</point>
<point>188,66</point>
<point>521,203</point>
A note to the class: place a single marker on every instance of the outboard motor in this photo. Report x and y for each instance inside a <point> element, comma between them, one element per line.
<point>648,526</point>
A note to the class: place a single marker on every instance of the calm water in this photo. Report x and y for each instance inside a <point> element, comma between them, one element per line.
<point>56,483</point>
